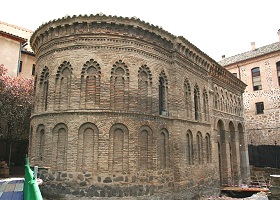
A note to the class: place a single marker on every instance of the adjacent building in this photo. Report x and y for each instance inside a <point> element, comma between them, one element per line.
<point>16,54</point>
<point>259,68</point>
<point>125,108</point>
<point>18,58</point>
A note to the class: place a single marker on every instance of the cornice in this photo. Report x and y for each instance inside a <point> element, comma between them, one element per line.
<point>84,22</point>
<point>199,71</point>
<point>228,116</point>
<point>215,70</point>
<point>223,76</point>
<point>107,113</point>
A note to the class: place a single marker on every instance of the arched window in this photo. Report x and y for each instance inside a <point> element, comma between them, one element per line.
<point>256,78</point>
<point>216,100</point>
<point>163,149</point>
<point>42,144</point>
<point>163,94</point>
<point>37,98</point>
<point>208,148</point>
<point>205,105</point>
<point>60,140</point>
<point>145,147</point>
<point>189,148</point>
<point>196,102</point>
<point>119,86</point>
<point>41,141</point>
<point>118,144</point>
<point>63,86</point>
<point>119,149</point>
<point>90,84</point>
<point>187,96</point>
<point>222,103</point>
<point>144,89</point>
<point>87,158</point>
<point>278,71</point>
<point>199,148</point>
<point>44,85</point>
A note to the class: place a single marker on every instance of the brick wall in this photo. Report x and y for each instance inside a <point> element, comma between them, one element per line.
<point>131,111</point>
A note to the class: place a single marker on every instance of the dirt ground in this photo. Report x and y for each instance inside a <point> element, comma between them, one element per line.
<point>257,196</point>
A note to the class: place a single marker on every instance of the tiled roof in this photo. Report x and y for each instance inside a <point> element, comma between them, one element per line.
<point>251,54</point>
<point>13,36</point>
<point>15,27</point>
<point>16,31</point>
<point>27,51</point>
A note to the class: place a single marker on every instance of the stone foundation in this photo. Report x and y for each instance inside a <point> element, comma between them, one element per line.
<point>73,185</point>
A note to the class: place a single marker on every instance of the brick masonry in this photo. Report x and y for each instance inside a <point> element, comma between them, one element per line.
<point>124,108</point>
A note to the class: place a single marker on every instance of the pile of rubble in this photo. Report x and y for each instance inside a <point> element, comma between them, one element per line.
<point>4,170</point>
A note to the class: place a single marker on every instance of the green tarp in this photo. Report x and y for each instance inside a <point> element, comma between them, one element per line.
<point>30,189</point>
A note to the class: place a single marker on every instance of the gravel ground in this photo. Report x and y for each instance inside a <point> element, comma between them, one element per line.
<point>258,196</point>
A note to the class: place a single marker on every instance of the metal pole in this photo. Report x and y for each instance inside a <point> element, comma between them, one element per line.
<point>35,171</point>
<point>10,154</point>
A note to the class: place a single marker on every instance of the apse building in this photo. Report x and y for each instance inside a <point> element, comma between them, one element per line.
<point>125,108</point>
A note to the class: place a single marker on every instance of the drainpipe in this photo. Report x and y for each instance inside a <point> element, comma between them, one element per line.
<point>239,71</point>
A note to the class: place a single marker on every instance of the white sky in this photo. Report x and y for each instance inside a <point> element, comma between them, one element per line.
<point>217,27</point>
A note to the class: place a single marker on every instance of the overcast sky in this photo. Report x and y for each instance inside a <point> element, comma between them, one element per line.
<point>217,27</point>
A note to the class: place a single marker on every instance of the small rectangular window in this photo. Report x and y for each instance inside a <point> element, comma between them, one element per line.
<point>257,87</point>
<point>259,107</point>
<point>256,78</point>
<point>278,71</point>
<point>234,74</point>
<point>20,66</point>
<point>33,70</point>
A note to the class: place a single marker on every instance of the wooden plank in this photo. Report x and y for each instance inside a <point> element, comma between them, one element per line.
<point>239,189</point>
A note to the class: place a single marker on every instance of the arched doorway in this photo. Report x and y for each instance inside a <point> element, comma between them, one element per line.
<point>244,158</point>
<point>222,148</point>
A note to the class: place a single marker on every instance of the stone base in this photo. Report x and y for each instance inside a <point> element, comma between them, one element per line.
<point>116,193</point>
<point>141,185</point>
<point>141,192</point>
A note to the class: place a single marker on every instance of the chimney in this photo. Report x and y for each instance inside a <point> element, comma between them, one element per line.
<point>223,56</point>
<point>278,34</point>
<point>253,45</point>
